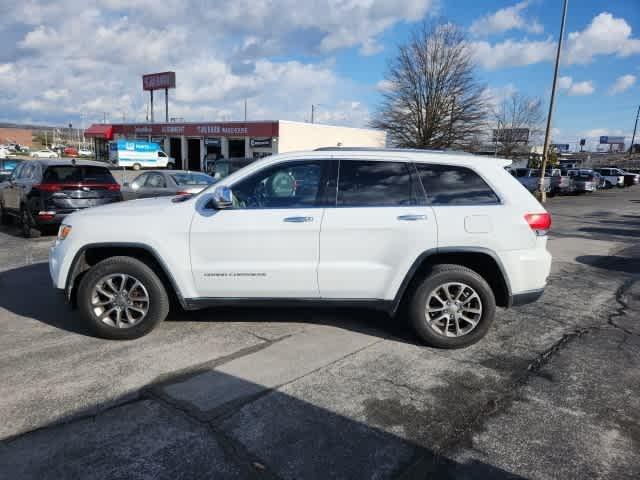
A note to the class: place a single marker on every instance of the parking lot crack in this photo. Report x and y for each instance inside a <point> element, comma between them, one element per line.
<point>623,307</point>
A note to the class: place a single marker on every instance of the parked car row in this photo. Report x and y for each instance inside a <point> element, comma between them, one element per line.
<point>576,180</point>
<point>41,193</point>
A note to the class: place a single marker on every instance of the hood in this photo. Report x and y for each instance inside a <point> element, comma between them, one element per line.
<point>145,207</point>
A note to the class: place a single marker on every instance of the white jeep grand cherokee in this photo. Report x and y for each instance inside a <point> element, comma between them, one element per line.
<point>442,237</point>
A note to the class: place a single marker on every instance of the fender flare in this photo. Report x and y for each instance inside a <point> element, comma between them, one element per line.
<point>436,251</point>
<point>78,262</point>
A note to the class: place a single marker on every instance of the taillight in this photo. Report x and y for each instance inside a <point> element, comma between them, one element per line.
<point>48,187</point>
<point>183,193</point>
<point>539,222</point>
<point>113,187</point>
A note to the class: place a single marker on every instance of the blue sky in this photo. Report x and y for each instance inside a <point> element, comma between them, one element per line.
<point>74,61</point>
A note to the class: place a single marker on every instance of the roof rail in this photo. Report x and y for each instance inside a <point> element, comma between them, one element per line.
<point>384,149</point>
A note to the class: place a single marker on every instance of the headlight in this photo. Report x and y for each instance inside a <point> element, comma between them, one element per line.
<point>64,232</point>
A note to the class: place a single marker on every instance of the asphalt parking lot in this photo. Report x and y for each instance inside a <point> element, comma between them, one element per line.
<point>553,391</point>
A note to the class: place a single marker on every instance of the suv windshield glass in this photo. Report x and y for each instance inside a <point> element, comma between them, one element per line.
<point>192,179</point>
<point>77,173</point>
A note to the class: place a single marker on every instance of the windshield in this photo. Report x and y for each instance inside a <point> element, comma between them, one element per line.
<point>192,179</point>
<point>77,173</point>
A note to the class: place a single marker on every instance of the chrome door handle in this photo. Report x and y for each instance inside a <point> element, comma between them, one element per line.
<point>412,218</point>
<point>298,219</point>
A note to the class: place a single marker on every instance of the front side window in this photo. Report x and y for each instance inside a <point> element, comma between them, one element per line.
<point>363,183</point>
<point>289,185</point>
<point>454,185</point>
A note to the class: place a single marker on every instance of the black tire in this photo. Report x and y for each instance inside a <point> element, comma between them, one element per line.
<point>27,224</point>
<point>607,184</point>
<point>170,166</point>
<point>438,276</point>
<point>5,219</point>
<point>158,298</point>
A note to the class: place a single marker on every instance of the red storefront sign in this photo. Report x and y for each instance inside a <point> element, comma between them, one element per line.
<point>219,129</point>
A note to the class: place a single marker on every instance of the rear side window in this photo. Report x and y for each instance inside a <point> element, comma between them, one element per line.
<point>453,185</point>
<point>77,173</point>
<point>374,184</point>
<point>155,180</point>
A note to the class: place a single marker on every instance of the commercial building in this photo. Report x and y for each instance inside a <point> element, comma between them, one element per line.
<point>22,136</point>
<point>193,144</point>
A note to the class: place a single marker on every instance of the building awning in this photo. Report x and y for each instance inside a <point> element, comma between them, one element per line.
<point>100,130</point>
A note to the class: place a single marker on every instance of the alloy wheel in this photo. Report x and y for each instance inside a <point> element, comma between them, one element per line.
<point>120,300</point>
<point>453,309</point>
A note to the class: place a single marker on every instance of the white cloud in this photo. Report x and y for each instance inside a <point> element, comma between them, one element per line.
<point>572,88</point>
<point>495,96</point>
<point>512,53</point>
<point>605,35</point>
<point>384,86</point>
<point>564,83</point>
<point>582,88</point>
<point>505,19</point>
<point>60,65</point>
<point>623,83</point>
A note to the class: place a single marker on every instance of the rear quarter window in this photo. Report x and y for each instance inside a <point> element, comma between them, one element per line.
<point>455,185</point>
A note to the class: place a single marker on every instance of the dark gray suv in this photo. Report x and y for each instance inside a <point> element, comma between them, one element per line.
<point>41,193</point>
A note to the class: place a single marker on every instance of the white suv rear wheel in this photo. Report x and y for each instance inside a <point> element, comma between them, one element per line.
<point>453,307</point>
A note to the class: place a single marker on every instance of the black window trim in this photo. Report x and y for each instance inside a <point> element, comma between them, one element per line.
<point>412,181</point>
<point>326,171</point>
<point>475,204</point>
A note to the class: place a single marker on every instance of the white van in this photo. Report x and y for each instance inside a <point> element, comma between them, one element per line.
<point>137,154</point>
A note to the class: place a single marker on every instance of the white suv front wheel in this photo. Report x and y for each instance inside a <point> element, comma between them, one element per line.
<point>122,298</point>
<point>453,307</point>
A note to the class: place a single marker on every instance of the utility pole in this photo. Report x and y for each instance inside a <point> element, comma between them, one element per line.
<point>151,95</point>
<point>312,111</point>
<point>635,127</point>
<point>166,105</point>
<point>245,109</point>
<point>547,135</point>
<point>104,117</point>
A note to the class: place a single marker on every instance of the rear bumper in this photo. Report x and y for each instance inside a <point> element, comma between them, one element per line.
<point>526,297</point>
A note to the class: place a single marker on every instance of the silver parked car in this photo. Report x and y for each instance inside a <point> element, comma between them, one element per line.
<point>164,183</point>
<point>584,181</point>
<point>530,179</point>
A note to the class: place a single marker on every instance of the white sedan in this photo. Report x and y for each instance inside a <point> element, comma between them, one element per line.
<point>83,152</point>
<point>44,154</point>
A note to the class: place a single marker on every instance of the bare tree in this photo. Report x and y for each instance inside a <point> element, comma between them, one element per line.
<point>431,98</point>
<point>517,120</point>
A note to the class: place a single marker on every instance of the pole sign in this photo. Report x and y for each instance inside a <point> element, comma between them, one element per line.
<point>159,81</point>
<point>606,140</point>
<point>560,147</point>
<point>511,135</point>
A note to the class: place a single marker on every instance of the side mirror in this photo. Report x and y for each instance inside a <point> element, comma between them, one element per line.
<point>222,198</point>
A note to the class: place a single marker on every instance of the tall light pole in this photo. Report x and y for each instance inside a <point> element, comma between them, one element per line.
<point>547,135</point>
<point>313,110</point>
<point>635,127</point>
